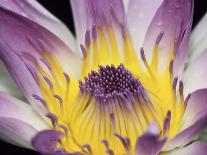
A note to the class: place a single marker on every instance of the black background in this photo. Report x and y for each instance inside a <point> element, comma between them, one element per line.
<point>61,8</point>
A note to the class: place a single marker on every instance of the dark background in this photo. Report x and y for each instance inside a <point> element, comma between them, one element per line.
<point>61,8</point>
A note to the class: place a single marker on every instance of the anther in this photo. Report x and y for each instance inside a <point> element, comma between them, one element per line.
<point>53,119</point>
<point>45,47</point>
<point>49,83</point>
<point>87,38</point>
<point>29,57</point>
<point>46,63</point>
<point>94,32</point>
<point>166,124</point>
<point>44,103</point>
<point>83,49</point>
<point>171,67</point>
<point>125,141</point>
<point>123,32</point>
<point>88,147</point>
<point>64,128</point>
<point>181,88</point>
<point>67,78</point>
<point>174,83</point>
<point>159,38</point>
<point>186,100</point>
<point>142,54</point>
<point>60,100</point>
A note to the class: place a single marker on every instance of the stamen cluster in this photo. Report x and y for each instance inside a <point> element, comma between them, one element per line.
<point>111,80</point>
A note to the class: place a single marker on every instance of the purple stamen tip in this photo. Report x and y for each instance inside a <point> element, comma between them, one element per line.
<point>65,129</point>
<point>87,38</point>
<point>123,32</point>
<point>48,82</point>
<point>83,49</point>
<point>29,57</point>
<point>58,98</point>
<point>67,78</point>
<point>94,32</point>
<point>159,38</point>
<point>142,54</point>
<point>40,99</point>
<point>46,63</point>
<point>175,83</point>
<point>88,147</point>
<point>181,88</point>
<point>44,45</point>
<point>53,118</point>
<point>167,121</point>
<point>110,152</point>
<point>105,142</point>
<point>171,66</point>
<point>186,100</point>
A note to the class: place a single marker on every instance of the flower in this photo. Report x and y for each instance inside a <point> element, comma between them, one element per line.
<point>133,90</point>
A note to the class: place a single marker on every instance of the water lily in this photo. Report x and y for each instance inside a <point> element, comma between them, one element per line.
<point>132,86</point>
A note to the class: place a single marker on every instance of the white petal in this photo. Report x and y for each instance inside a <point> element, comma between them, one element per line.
<point>7,84</point>
<point>140,14</point>
<point>36,12</point>
<point>14,108</point>
<point>16,132</point>
<point>198,40</point>
<point>195,75</point>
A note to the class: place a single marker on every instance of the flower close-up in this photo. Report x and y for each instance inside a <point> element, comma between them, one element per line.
<point>132,81</point>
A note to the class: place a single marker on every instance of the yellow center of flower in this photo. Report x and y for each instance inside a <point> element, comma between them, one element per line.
<point>119,94</point>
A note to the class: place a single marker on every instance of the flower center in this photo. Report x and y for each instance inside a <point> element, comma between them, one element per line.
<point>110,81</point>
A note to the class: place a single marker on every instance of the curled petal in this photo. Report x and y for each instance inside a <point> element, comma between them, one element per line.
<point>16,131</point>
<point>198,39</point>
<point>194,120</point>
<point>150,143</point>
<point>14,108</point>
<point>174,19</point>
<point>47,142</point>
<point>196,108</point>
<point>36,12</point>
<point>196,148</point>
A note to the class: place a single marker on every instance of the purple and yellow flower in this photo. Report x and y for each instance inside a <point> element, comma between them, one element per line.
<point>132,87</point>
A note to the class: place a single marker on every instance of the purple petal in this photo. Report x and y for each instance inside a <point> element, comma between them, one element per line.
<point>23,43</point>
<point>96,13</point>
<point>196,108</point>
<point>14,108</point>
<point>194,121</point>
<point>36,12</point>
<point>174,18</point>
<point>150,143</point>
<point>139,15</point>
<point>195,74</point>
<point>21,74</point>
<point>46,143</point>
<point>16,131</point>
<point>196,148</point>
